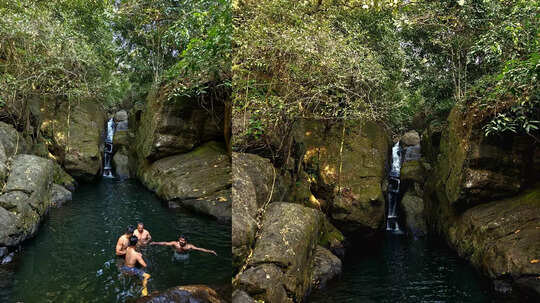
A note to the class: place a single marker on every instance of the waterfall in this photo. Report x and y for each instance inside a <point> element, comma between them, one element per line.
<point>107,155</point>
<point>393,190</point>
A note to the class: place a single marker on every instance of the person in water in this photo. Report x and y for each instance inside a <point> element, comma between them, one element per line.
<point>142,234</point>
<point>182,246</point>
<point>132,258</point>
<point>123,242</point>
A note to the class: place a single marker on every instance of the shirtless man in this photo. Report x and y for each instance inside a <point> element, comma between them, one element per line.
<point>142,234</point>
<point>132,258</point>
<point>123,242</point>
<point>181,246</point>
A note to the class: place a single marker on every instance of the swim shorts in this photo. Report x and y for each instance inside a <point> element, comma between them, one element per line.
<point>134,271</point>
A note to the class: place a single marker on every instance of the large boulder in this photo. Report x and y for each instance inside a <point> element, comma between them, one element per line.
<point>120,164</point>
<point>280,268</point>
<point>240,296</point>
<point>184,294</point>
<point>346,166</point>
<point>474,197</point>
<point>255,182</point>
<point>73,135</point>
<point>410,138</point>
<point>326,267</point>
<point>11,144</point>
<point>413,207</point>
<point>199,180</point>
<point>25,199</point>
<point>59,195</point>
<point>167,127</point>
<point>502,238</point>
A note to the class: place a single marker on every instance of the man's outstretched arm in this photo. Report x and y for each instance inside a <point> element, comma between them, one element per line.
<point>162,243</point>
<point>193,247</point>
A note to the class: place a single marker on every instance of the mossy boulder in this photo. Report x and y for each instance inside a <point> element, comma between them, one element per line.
<point>280,268</point>
<point>413,171</point>
<point>168,127</point>
<point>73,134</point>
<point>199,180</point>
<point>502,238</point>
<point>326,266</point>
<point>25,199</point>
<point>413,207</point>
<point>346,162</point>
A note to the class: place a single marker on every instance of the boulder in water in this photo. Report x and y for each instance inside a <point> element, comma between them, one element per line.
<point>74,135</point>
<point>120,163</point>
<point>410,138</point>
<point>348,165</point>
<point>255,182</point>
<point>26,199</point>
<point>326,266</point>
<point>199,180</point>
<point>59,195</point>
<point>184,294</point>
<point>413,207</point>
<point>280,268</point>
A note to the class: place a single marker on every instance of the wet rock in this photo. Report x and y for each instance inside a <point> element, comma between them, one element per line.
<point>199,180</point>
<point>120,163</point>
<point>354,194</point>
<point>184,294</point>
<point>332,238</point>
<point>501,237</point>
<point>413,171</point>
<point>169,127</point>
<point>326,267</point>
<point>410,138</point>
<point>120,116</point>
<point>279,269</point>
<point>255,182</point>
<point>59,195</point>
<point>413,207</point>
<point>3,251</point>
<point>7,259</point>
<point>412,153</point>
<point>26,199</point>
<point>240,296</point>
<point>73,132</point>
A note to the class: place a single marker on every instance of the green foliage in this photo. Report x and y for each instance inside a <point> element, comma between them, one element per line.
<point>185,43</point>
<point>320,59</point>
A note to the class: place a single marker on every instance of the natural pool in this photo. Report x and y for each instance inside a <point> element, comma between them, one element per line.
<point>400,269</point>
<point>72,257</point>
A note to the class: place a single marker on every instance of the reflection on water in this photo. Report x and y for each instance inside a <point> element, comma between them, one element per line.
<point>72,258</point>
<point>406,270</point>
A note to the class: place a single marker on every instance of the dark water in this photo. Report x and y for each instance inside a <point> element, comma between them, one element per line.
<point>406,270</point>
<point>72,258</point>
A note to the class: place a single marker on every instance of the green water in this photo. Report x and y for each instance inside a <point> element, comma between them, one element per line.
<point>400,269</point>
<point>72,258</point>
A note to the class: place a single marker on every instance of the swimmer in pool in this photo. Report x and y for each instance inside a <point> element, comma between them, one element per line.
<point>142,234</point>
<point>123,242</point>
<point>182,247</point>
<point>132,258</point>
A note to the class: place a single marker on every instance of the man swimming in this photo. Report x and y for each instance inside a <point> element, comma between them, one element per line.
<point>123,242</point>
<point>142,234</point>
<point>132,258</point>
<point>181,246</point>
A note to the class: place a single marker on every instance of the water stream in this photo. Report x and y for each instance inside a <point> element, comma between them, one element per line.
<point>72,258</point>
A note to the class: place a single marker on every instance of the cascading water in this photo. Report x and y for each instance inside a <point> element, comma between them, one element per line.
<point>107,155</point>
<point>393,190</point>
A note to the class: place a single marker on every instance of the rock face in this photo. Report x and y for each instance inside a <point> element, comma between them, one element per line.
<point>280,267</point>
<point>26,198</point>
<point>326,267</point>
<point>170,127</point>
<point>11,144</point>
<point>475,199</point>
<point>184,294</point>
<point>345,166</point>
<point>502,237</point>
<point>199,180</point>
<point>120,163</point>
<point>255,182</point>
<point>413,207</point>
<point>73,135</point>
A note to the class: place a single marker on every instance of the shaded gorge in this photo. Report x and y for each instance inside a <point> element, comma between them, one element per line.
<point>72,257</point>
